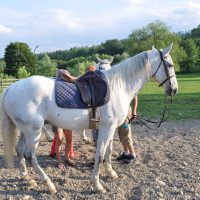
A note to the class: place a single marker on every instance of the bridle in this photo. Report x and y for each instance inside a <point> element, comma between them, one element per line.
<point>100,65</point>
<point>166,70</point>
<point>158,123</point>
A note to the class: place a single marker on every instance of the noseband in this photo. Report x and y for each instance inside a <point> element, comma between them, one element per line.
<point>100,66</point>
<point>166,70</point>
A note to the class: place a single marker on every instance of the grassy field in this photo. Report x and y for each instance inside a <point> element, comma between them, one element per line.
<point>186,104</point>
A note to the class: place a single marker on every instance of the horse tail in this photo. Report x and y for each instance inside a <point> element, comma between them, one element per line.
<point>8,131</point>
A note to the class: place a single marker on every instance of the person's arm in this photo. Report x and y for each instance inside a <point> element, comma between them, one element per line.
<point>134,107</point>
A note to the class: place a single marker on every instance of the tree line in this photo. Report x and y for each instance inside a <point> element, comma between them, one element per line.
<point>19,61</point>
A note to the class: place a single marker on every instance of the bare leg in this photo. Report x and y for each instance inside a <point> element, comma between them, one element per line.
<point>130,149</point>
<point>59,137</point>
<point>68,144</point>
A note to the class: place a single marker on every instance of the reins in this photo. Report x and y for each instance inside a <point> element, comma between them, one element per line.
<point>157,124</point>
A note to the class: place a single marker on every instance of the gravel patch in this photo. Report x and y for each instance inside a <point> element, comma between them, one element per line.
<point>167,167</point>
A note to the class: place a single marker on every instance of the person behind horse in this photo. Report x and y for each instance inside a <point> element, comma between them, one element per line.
<point>125,135</point>
<point>58,136</point>
<point>124,132</point>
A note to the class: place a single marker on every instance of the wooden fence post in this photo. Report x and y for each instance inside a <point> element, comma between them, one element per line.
<point>1,84</point>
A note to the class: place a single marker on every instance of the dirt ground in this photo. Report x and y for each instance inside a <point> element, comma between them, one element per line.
<point>167,167</point>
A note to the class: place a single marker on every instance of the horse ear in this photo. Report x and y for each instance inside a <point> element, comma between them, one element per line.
<point>111,60</point>
<point>99,60</point>
<point>167,49</point>
<point>153,48</point>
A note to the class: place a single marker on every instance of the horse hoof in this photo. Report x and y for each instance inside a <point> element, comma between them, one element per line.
<point>101,190</point>
<point>32,183</point>
<point>49,140</point>
<point>51,187</point>
<point>98,189</point>
<point>113,175</point>
<point>87,141</point>
<point>53,190</point>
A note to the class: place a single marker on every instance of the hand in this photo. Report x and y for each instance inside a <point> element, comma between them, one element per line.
<point>134,116</point>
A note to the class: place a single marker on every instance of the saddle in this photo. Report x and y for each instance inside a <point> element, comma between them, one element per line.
<point>93,88</point>
<point>65,75</point>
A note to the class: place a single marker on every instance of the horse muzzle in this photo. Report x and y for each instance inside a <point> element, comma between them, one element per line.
<point>171,91</point>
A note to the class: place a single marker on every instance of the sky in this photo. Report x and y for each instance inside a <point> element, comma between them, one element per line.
<point>62,24</point>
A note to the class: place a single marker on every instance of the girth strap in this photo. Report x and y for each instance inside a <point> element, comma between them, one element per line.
<point>93,101</point>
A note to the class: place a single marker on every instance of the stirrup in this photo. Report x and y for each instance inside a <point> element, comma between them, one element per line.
<point>95,120</point>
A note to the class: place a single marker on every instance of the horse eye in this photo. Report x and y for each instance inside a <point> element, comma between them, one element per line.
<point>169,64</point>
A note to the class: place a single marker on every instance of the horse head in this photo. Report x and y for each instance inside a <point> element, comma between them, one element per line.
<point>104,64</point>
<point>163,70</point>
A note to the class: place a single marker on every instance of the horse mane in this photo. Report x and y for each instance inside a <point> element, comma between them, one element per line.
<point>130,69</point>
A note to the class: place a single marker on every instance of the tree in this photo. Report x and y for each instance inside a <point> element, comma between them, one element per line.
<point>119,58</point>
<point>18,54</point>
<point>155,33</point>
<point>112,47</point>
<point>2,66</point>
<point>195,33</point>
<point>192,56</point>
<point>158,34</point>
<point>83,66</point>
<point>46,67</point>
<point>22,72</point>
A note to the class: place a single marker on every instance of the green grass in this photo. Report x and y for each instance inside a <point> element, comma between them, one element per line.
<point>186,104</point>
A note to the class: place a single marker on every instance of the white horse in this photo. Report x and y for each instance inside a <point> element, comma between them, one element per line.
<point>102,65</point>
<point>29,102</point>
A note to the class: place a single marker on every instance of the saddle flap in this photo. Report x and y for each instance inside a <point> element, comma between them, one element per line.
<point>84,90</point>
<point>99,84</point>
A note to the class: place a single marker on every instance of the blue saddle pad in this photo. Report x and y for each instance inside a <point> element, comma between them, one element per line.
<point>67,94</point>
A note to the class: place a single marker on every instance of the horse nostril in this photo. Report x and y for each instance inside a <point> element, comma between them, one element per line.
<point>174,91</point>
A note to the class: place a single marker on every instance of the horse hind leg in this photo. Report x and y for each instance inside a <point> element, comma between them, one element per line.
<point>20,149</point>
<point>32,140</point>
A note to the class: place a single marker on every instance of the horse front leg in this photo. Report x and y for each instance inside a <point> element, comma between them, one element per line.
<point>32,141</point>
<point>85,138</point>
<point>48,135</point>
<point>104,137</point>
<point>110,172</point>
